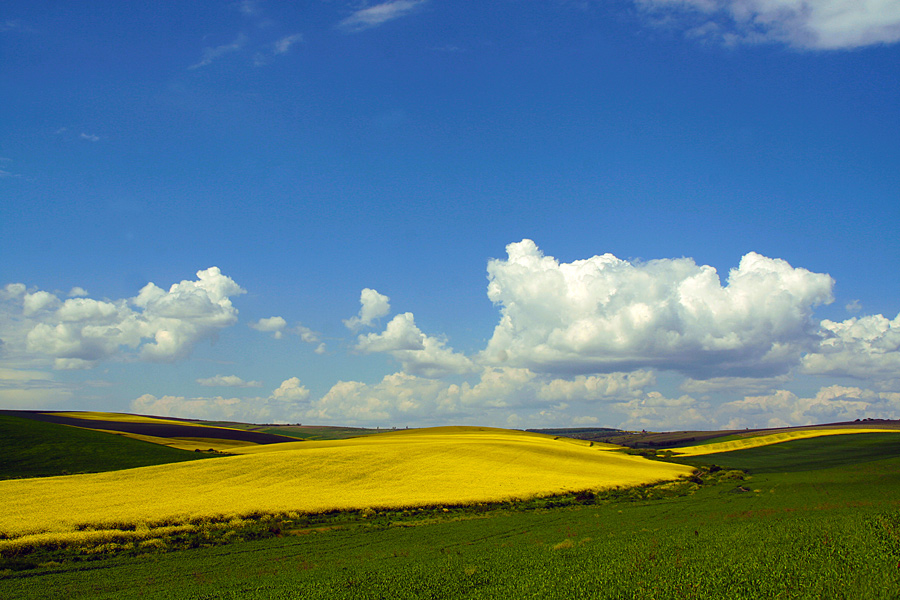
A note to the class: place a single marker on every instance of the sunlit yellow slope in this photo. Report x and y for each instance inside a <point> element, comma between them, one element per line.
<point>197,442</point>
<point>765,440</point>
<point>420,467</point>
<point>119,417</point>
<point>185,443</point>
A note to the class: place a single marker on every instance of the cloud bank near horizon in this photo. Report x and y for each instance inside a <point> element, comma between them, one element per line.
<point>576,344</point>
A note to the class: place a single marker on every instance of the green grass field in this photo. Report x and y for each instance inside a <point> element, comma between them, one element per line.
<point>31,448</point>
<point>826,525</point>
<point>811,454</point>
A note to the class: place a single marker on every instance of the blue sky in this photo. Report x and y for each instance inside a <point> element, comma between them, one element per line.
<point>652,214</point>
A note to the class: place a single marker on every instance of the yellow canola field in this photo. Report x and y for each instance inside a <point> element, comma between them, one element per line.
<point>121,418</point>
<point>185,443</point>
<point>415,468</point>
<point>765,440</point>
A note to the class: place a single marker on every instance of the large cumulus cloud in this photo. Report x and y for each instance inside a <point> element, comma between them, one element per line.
<point>605,314</point>
<point>865,348</point>
<point>156,325</point>
<point>419,354</point>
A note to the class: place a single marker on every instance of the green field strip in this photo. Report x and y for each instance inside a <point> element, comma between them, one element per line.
<point>808,454</point>
<point>30,448</point>
<point>834,534</point>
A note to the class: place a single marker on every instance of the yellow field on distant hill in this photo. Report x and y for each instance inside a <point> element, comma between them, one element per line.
<point>409,468</point>
<point>765,440</point>
<point>185,443</point>
<point>120,417</point>
<point>196,442</point>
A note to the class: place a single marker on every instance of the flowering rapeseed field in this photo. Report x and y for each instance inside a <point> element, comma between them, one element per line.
<point>119,417</point>
<point>765,440</point>
<point>187,443</point>
<point>410,468</point>
<point>195,442</point>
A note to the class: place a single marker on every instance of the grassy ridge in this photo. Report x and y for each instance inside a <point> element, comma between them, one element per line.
<point>730,444</point>
<point>31,448</point>
<point>809,454</point>
<point>827,533</point>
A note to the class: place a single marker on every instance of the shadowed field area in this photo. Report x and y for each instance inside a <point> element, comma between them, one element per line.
<point>30,448</point>
<point>148,426</point>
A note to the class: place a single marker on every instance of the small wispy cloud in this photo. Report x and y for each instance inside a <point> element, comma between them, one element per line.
<point>211,54</point>
<point>12,25</point>
<point>307,335</point>
<point>90,137</point>
<point>379,14</point>
<point>227,381</point>
<point>252,10</point>
<point>248,7</point>
<point>277,48</point>
<point>4,174</point>
<point>283,45</point>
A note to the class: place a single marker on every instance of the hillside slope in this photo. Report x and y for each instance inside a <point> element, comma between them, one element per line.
<point>415,468</point>
<point>30,448</point>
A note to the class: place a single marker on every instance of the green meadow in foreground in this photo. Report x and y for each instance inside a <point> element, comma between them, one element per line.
<point>823,528</point>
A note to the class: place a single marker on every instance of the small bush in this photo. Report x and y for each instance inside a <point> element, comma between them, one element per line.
<point>563,545</point>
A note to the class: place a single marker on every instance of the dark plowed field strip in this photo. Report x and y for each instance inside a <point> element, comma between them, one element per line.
<point>164,430</point>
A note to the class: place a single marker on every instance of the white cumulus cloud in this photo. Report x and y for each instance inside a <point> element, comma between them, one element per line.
<point>811,24</point>
<point>38,301</point>
<point>291,390</point>
<point>606,314</point>
<point>374,306</point>
<point>865,347</point>
<point>285,404</point>
<point>273,325</point>
<point>227,381</point>
<point>419,354</point>
<point>494,398</point>
<point>397,396</point>
<point>156,325</point>
<point>596,387</point>
<point>308,335</point>
<point>831,404</point>
<point>653,411</point>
